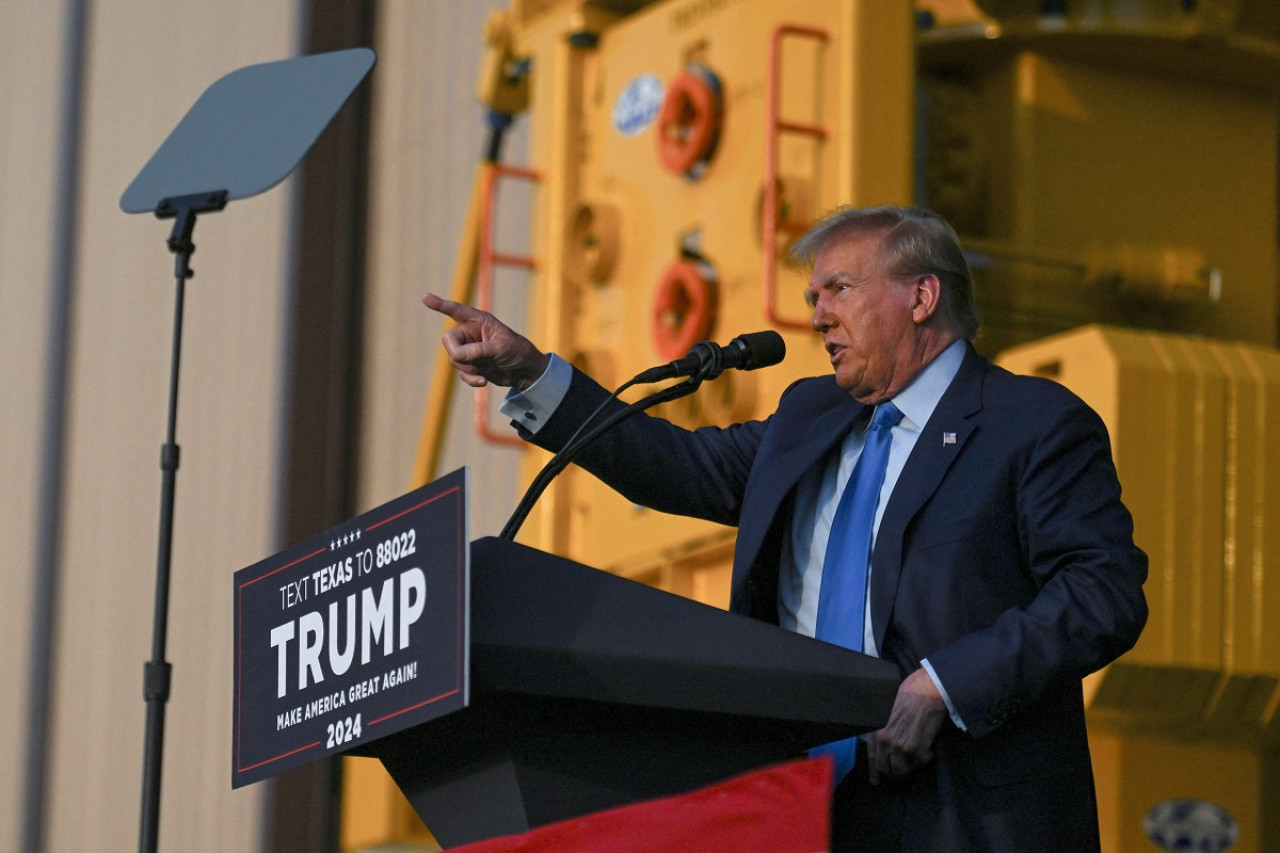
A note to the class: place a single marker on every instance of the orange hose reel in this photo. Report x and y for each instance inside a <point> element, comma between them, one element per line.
<point>689,121</point>
<point>684,309</point>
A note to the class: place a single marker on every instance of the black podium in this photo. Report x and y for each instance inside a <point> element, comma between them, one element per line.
<point>590,691</point>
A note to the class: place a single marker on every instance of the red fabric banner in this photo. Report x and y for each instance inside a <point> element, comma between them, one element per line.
<point>782,809</point>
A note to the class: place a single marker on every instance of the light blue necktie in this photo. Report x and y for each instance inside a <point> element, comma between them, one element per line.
<point>842,602</point>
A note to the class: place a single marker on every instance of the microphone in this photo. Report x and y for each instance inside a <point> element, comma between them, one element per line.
<point>707,360</point>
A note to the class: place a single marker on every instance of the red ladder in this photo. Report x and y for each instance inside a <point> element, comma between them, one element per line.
<point>774,127</point>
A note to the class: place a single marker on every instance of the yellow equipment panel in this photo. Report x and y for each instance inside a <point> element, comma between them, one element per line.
<point>665,128</point>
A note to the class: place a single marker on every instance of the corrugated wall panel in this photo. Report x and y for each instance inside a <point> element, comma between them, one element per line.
<point>148,63</point>
<point>147,66</point>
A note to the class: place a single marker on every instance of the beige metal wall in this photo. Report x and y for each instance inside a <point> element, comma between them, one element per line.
<point>147,62</point>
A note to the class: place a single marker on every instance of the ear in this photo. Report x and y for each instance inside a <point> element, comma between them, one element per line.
<point>926,298</point>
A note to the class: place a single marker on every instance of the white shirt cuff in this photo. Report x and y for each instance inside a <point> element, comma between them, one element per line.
<point>937,682</point>
<point>534,405</point>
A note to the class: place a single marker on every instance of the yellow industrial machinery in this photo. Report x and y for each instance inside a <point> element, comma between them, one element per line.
<point>677,149</point>
<point>1193,711</point>
<point>1105,161</point>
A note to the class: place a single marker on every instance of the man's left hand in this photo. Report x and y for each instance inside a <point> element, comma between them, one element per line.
<point>906,741</point>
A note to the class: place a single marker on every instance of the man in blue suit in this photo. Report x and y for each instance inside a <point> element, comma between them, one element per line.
<point>1002,568</point>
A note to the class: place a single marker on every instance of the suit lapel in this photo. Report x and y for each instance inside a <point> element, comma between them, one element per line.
<point>939,444</point>
<point>803,444</point>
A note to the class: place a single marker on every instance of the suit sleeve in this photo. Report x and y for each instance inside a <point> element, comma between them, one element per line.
<point>1078,559</point>
<point>700,473</point>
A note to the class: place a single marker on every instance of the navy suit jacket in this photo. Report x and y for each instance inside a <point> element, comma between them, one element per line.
<point>1004,556</point>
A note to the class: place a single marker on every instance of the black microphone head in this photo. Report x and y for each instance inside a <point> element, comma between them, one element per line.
<point>757,349</point>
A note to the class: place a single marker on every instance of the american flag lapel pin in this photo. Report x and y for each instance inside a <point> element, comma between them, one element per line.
<point>948,438</point>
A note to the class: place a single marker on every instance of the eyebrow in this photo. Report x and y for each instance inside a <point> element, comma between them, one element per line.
<point>833,278</point>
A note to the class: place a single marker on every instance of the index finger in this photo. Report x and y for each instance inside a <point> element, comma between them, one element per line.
<point>454,310</point>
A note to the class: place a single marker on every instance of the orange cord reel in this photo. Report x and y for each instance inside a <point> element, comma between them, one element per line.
<point>684,309</point>
<point>689,121</point>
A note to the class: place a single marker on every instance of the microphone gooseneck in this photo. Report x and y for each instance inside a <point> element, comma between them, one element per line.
<point>705,360</point>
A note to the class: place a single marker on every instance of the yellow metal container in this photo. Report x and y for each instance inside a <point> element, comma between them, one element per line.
<point>1194,709</point>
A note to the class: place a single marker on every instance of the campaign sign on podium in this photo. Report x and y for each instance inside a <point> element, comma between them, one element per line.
<point>354,634</point>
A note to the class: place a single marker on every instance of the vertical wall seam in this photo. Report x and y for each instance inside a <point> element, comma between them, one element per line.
<point>47,555</point>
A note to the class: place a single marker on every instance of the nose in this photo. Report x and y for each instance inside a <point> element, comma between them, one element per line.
<point>821,319</point>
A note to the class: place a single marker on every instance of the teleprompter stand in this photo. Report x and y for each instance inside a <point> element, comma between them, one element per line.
<point>157,672</point>
<point>589,691</point>
<point>244,135</point>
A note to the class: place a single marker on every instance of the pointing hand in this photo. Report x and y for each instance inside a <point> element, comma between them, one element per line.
<point>484,350</point>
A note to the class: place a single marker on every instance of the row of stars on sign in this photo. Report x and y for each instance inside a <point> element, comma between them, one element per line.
<point>344,540</point>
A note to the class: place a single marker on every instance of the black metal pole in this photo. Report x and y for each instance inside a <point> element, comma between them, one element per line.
<point>157,672</point>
